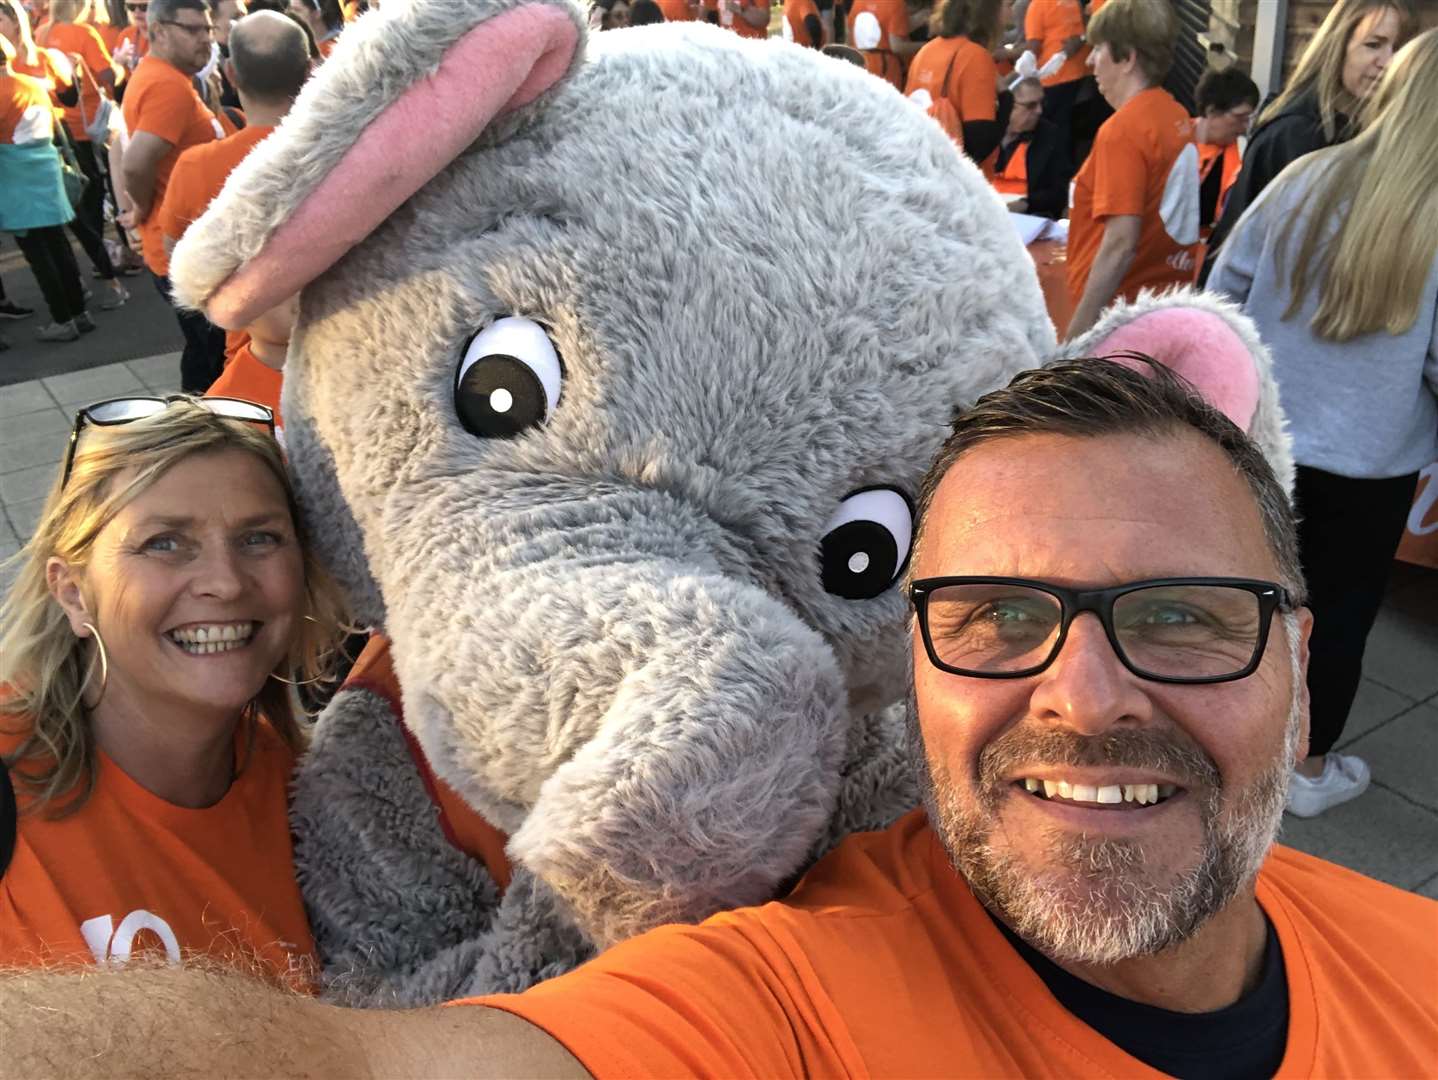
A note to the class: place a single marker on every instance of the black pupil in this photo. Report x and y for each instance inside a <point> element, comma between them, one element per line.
<point>499,397</point>
<point>860,560</point>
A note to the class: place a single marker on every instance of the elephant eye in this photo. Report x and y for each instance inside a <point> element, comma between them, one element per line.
<point>866,543</point>
<point>508,379</point>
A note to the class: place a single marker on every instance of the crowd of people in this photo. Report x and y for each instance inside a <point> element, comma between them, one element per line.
<point>171,533</point>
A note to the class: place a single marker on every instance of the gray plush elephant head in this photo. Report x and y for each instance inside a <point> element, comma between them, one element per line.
<point>615,371</point>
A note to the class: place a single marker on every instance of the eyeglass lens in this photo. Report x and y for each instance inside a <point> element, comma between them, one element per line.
<point>123,410</point>
<point>1172,631</point>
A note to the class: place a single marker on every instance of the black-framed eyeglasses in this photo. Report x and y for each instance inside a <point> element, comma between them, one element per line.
<point>137,7</point>
<point>127,410</point>
<point>1172,630</point>
<point>191,28</point>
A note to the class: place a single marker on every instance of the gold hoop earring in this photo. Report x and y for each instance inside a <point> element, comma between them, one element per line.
<point>104,661</point>
<point>298,682</point>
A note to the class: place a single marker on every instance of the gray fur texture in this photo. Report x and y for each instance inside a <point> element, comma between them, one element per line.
<point>771,281</point>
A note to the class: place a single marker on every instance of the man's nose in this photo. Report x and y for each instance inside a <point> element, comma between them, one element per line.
<point>1087,688</point>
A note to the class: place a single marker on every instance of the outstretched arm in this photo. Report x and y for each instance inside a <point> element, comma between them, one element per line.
<point>189,1022</point>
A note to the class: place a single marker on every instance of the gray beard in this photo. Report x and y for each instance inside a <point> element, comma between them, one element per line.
<point>1097,904</point>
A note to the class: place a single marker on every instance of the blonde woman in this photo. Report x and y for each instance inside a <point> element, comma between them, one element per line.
<point>1335,75</point>
<point>1337,263</point>
<point>162,609</point>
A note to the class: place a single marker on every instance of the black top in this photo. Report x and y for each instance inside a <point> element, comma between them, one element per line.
<point>1244,1041</point>
<point>1296,131</point>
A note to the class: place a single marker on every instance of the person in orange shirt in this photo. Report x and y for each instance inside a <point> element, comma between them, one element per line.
<point>747,18</point>
<point>1092,886</point>
<point>803,24</point>
<point>165,117</point>
<point>1226,101</point>
<point>1054,33</point>
<point>680,10</point>
<point>95,77</point>
<point>879,29</point>
<point>1134,223</point>
<point>269,63</point>
<point>325,20</point>
<point>957,66</point>
<point>1030,168</point>
<point>134,37</point>
<point>145,720</point>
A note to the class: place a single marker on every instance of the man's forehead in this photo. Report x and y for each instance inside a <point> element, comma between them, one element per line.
<point>1094,508</point>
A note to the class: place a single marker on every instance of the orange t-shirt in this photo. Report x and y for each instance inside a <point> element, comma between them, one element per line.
<point>130,871</point>
<point>1210,155</point>
<point>161,100</point>
<point>739,26</point>
<point>882,963</point>
<point>1013,178</point>
<point>245,377</point>
<point>141,41</point>
<point>464,827</point>
<point>82,41</point>
<point>198,175</point>
<point>676,10</point>
<point>48,72</point>
<point>961,70</point>
<point>1144,162</point>
<point>871,25</point>
<point>19,95</point>
<point>795,13</point>
<point>1052,22</point>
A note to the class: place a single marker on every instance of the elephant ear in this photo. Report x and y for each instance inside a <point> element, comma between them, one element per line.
<point>406,91</point>
<point>1213,345</point>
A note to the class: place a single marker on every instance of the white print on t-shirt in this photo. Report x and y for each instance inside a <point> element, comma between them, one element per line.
<point>109,943</point>
<point>1178,209</point>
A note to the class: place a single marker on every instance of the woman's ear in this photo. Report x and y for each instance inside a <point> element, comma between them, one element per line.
<point>64,583</point>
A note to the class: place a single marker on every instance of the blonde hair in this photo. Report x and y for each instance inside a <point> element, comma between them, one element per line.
<point>977,20</point>
<point>1146,27</point>
<point>1320,68</point>
<point>68,11</point>
<point>43,665</point>
<point>1380,188</point>
<point>25,47</point>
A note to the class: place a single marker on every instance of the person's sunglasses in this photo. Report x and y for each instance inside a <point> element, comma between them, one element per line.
<point>189,28</point>
<point>1171,630</point>
<point>137,7</point>
<point>127,410</point>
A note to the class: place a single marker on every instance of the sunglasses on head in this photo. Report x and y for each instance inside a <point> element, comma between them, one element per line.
<point>127,410</point>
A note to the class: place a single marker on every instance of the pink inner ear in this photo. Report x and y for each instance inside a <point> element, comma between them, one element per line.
<point>500,65</point>
<point>1201,347</point>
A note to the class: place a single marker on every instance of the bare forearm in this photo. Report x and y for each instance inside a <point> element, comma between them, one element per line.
<point>189,1022</point>
<point>140,187</point>
<point>1110,265</point>
<point>166,1022</point>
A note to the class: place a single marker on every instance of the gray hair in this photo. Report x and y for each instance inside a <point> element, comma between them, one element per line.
<point>1091,397</point>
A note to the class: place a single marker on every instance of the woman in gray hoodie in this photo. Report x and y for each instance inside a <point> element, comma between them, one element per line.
<point>1337,263</point>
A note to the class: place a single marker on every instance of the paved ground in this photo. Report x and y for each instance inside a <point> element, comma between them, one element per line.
<point>144,327</point>
<point>1390,833</point>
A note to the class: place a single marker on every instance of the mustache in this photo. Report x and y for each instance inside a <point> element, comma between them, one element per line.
<point>1151,751</point>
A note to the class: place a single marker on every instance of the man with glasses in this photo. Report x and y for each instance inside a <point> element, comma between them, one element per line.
<point>1108,698</point>
<point>1031,167</point>
<point>165,117</point>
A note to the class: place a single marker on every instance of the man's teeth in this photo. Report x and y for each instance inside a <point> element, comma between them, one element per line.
<point>1143,794</point>
<point>213,637</point>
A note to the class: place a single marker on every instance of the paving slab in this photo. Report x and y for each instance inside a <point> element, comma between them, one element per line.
<point>1403,755</point>
<point>26,484</point>
<point>24,397</point>
<point>39,450</point>
<point>161,370</point>
<point>1380,834</point>
<point>1429,888</point>
<point>27,427</point>
<point>1403,647</point>
<point>83,387</point>
<point>24,516</point>
<point>1374,706</point>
